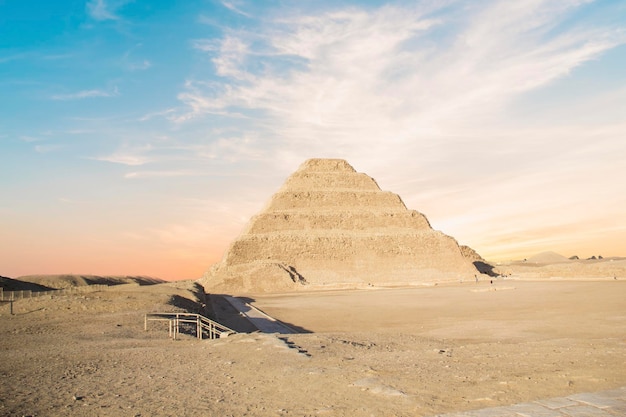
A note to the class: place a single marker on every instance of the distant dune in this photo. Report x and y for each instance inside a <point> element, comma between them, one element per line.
<point>548,258</point>
<point>10,284</point>
<point>551,265</point>
<point>47,282</point>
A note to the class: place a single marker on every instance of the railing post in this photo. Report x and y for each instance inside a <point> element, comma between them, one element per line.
<point>145,323</point>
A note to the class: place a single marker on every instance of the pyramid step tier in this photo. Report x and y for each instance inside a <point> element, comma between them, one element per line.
<point>420,248</point>
<point>306,181</point>
<point>347,220</point>
<point>321,200</point>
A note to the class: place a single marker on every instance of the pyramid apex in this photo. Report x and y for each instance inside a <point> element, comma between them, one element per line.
<point>326,165</point>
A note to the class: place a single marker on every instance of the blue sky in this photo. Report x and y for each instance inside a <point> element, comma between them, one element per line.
<point>139,136</point>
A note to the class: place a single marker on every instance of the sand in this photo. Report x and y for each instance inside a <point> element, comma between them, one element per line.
<point>392,352</point>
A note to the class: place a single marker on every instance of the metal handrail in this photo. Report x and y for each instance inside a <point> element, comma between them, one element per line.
<point>213,328</point>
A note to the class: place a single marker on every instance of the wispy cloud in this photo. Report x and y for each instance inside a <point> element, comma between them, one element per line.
<point>56,57</point>
<point>366,77</point>
<point>83,94</point>
<point>163,174</point>
<point>14,57</point>
<point>100,10</point>
<point>135,64</point>
<point>134,158</point>
<point>47,148</point>
<point>140,66</point>
<point>229,149</point>
<point>29,139</point>
<point>129,155</point>
<point>234,7</point>
<point>152,115</point>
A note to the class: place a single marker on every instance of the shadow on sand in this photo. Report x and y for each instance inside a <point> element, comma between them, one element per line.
<point>223,312</point>
<point>485,268</point>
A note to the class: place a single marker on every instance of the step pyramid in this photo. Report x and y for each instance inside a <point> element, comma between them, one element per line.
<point>332,227</point>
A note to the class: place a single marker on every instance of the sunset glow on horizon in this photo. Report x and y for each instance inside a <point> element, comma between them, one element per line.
<point>139,137</point>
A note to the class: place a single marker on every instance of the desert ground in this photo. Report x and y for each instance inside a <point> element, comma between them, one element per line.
<point>376,352</point>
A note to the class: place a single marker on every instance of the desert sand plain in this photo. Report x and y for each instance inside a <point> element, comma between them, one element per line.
<point>373,352</point>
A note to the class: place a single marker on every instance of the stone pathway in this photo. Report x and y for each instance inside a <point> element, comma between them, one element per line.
<point>610,403</point>
<point>259,319</point>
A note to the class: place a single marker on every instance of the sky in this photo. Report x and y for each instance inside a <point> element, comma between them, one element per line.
<point>139,137</point>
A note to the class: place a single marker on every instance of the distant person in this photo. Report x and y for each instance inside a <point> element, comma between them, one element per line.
<point>476,276</point>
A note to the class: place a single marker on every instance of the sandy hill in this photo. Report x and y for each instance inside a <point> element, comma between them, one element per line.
<point>548,257</point>
<point>10,284</point>
<point>549,265</point>
<point>68,280</point>
<point>331,226</point>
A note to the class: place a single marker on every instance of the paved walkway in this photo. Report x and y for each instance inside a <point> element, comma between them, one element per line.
<point>259,319</point>
<point>596,404</point>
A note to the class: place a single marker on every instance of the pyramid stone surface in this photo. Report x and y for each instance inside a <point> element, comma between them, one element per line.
<point>332,227</point>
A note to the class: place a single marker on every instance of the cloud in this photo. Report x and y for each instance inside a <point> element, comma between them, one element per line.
<point>232,6</point>
<point>47,148</point>
<point>135,64</point>
<point>29,139</point>
<point>14,57</point>
<point>432,90</point>
<point>100,10</point>
<point>163,174</point>
<point>140,66</point>
<point>229,149</point>
<point>152,115</point>
<point>135,156</point>
<point>125,159</point>
<point>373,80</point>
<point>83,94</point>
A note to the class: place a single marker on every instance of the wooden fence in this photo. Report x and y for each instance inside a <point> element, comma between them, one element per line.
<point>19,295</point>
<point>202,324</point>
